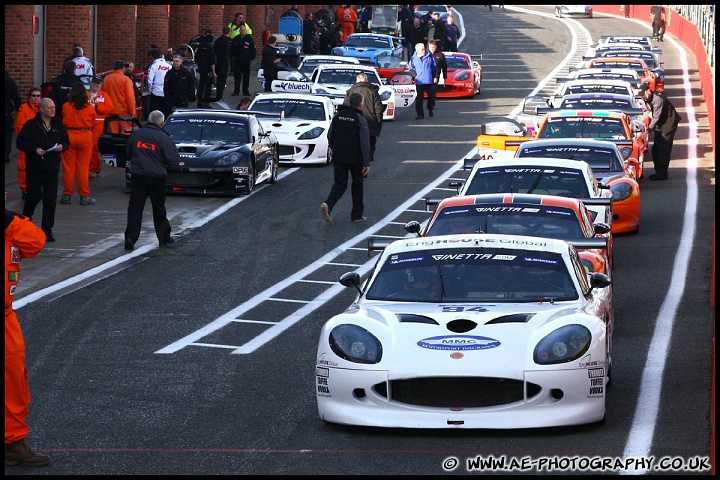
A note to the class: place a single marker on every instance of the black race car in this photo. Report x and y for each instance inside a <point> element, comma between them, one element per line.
<point>222,152</point>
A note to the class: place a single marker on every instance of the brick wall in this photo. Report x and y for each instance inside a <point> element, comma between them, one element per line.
<point>116,31</point>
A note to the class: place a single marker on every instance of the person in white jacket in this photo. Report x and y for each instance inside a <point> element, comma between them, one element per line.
<point>156,82</point>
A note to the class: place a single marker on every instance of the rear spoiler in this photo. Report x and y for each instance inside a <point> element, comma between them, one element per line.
<point>626,111</point>
<point>376,244</point>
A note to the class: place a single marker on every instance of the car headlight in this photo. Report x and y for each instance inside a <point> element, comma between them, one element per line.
<point>626,152</point>
<point>312,133</point>
<point>563,345</point>
<point>621,191</point>
<point>462,76</point>
<point>229,159</point>
<point>321,91</point>
<point>336,51</point>
<point>355,344</point>
<point>385,96</point>
<point>563,10</point>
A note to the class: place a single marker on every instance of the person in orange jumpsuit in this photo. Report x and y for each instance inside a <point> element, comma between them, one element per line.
<point>103,107</point>
<point>346,18</point>
<point>78,117</point>
<point>23,239</point>
<point>27,111</point>
<point>121,91</point>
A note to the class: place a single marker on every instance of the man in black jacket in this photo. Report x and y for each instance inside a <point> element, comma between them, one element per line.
<point>205,59</point>
<point>42,139</point>
<point>664,123</point>
<point>62,86</point>
<point>416,33</point>
<point>269,62</point>
<point>221,47</point>
<point>150,150</point>
<point>179,85</point>
<point>372,108</point>
<point>349,141</point>
<point>243,52</point>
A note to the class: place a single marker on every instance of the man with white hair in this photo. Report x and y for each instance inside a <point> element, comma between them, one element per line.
<point>373,107</point>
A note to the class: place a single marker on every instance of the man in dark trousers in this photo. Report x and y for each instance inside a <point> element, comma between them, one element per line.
<point>179,85</point>
<point>243,52</point>
<point>426,77</point>
<point>657,18</point>
<point>664,123</point>
<point>372,108</point>
<point>150,150</point>
<point>43,139</point>
<point>205,60</point>
<point>416,33</point>
<point>62,85</point>
<point>221,47</point>
<point>269,63</point>
<point>349,141</point>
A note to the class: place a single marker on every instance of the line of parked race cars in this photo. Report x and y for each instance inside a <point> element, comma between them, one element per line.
<point>498,313</point>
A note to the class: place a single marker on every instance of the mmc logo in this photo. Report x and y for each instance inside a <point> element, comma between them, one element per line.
<point>458,342</point>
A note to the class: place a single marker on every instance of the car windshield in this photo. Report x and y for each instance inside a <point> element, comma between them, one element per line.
<point>511,219</point>
<point>598,88</point>
<point>344,76</point>
<point>597,103</point>
<point>649,59</point>
<point>367,42</point>
<point>477,274</point>
<point>613,63</point>
<point>299,109</point>
<point>563,182</point>
<point>457,62</point>
<point>600,159</point>
<point>206,130</point>
<point>628,77</point>
<point>601,128</point>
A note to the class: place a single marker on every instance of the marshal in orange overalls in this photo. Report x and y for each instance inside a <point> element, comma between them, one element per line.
<point>346,18</point>
<point>23,239</point>
<point>27,111</point>
<point>103,108</point>
<point>76,159</point>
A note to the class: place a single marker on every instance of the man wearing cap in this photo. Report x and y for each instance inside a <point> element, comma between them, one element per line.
<point>664,123</point>
<point>103,107</point>
<point>120,90</point>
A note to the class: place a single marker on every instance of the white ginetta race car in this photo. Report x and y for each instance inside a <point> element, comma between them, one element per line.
<point>306,67</point>
<point>335,80</point>
<point>469,331</point>
<point>300,123</point>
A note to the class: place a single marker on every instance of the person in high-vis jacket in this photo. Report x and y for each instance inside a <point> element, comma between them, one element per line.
<point>103,107</point>
<point>23,239</point>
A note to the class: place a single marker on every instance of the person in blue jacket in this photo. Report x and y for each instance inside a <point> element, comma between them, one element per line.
<point>426,77</point>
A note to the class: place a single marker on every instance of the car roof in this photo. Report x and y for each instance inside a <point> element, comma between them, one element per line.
<point>510,198</point>
<point>562,142</point>
<point>330,58</point>
<point>214,112</point>
<point>598,81</point>
<point>585,113</point>
<point>365,34</point>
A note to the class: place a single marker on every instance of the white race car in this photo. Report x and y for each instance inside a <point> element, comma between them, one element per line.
<point>300,123</point>
<point>574,11</point>
<point>335,80</point>
<point>469,331</point>
<point>307,67</point>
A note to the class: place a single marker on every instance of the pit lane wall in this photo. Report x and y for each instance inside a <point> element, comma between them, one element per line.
<point>692,25</point>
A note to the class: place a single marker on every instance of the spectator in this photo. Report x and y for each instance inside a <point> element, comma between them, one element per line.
<point>441,67</point>
<point>417,33</point>
<point>179,85</point>
<point>128,71</point>
<point>235,25</point>
<point>423,64</point>
<point>12,104</point>
<point>349,141</point>
<point>243,52</point>
<point>364,18</point>
<point>83,67</point>
<point>439,32</point>
<point>657,18</point>
<point>103,107</point>
<point>221,48</point>
<point>664,123</point>
<point>78,118</point>
<point>372,108</point>
<point>156,81</point>
<point>120,89</point>
<point>244,103</point>
<point>269,62</point>
<point>346,18</point>
<point>27,112</point>
<point>43,139</point>
<point>311,40</point>
<point>452,35</point>
<point>205,60</point>
<point>62,86</point>
<point>329,39</point>
<point>150,150</point>
<point>22,240</point>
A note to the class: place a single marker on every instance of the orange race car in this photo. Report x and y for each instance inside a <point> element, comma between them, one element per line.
<point>546,216</point>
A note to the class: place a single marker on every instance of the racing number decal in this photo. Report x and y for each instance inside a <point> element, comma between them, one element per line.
<point>406,102</point>
<point>322,375</point>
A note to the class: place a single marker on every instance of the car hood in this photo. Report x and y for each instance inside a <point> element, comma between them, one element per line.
<point>290,126</point>
<point>206,154</point>
<point>424,340</point>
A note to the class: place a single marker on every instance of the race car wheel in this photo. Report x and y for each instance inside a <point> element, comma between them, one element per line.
<point>275,165</point>
<point>328,159</point>
<point>251,177</point>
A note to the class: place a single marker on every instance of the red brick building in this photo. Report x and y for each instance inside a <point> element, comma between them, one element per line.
<point>38,38</point>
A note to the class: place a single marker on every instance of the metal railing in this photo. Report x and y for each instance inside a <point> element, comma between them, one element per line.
<point>704,17</point>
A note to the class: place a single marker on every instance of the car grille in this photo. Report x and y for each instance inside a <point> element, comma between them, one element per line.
<point>461,392</point>
<point>287,151</point>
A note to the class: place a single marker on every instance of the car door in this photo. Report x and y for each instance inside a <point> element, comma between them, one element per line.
<point>404,86</point>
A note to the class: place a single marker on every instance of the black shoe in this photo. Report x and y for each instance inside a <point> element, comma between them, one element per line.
<point>247,94</point>
<point>658,176</point>
<point>49,237</point>
<point>129,245</point>
<point>419,117</point>
<point>169,244</point>
<point>431,113</point>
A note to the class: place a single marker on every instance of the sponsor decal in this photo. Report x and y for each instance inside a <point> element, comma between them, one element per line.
<point>458,343</point>
<point>456,355</point>
<point>596,373</point>
<point>295,87</point>
<point>240,170</point>
<point>588,362</point>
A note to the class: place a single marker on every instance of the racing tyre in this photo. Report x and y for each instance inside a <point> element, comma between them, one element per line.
<point>251,177</point>
<point>275,166</point>
<point>325,17</point>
